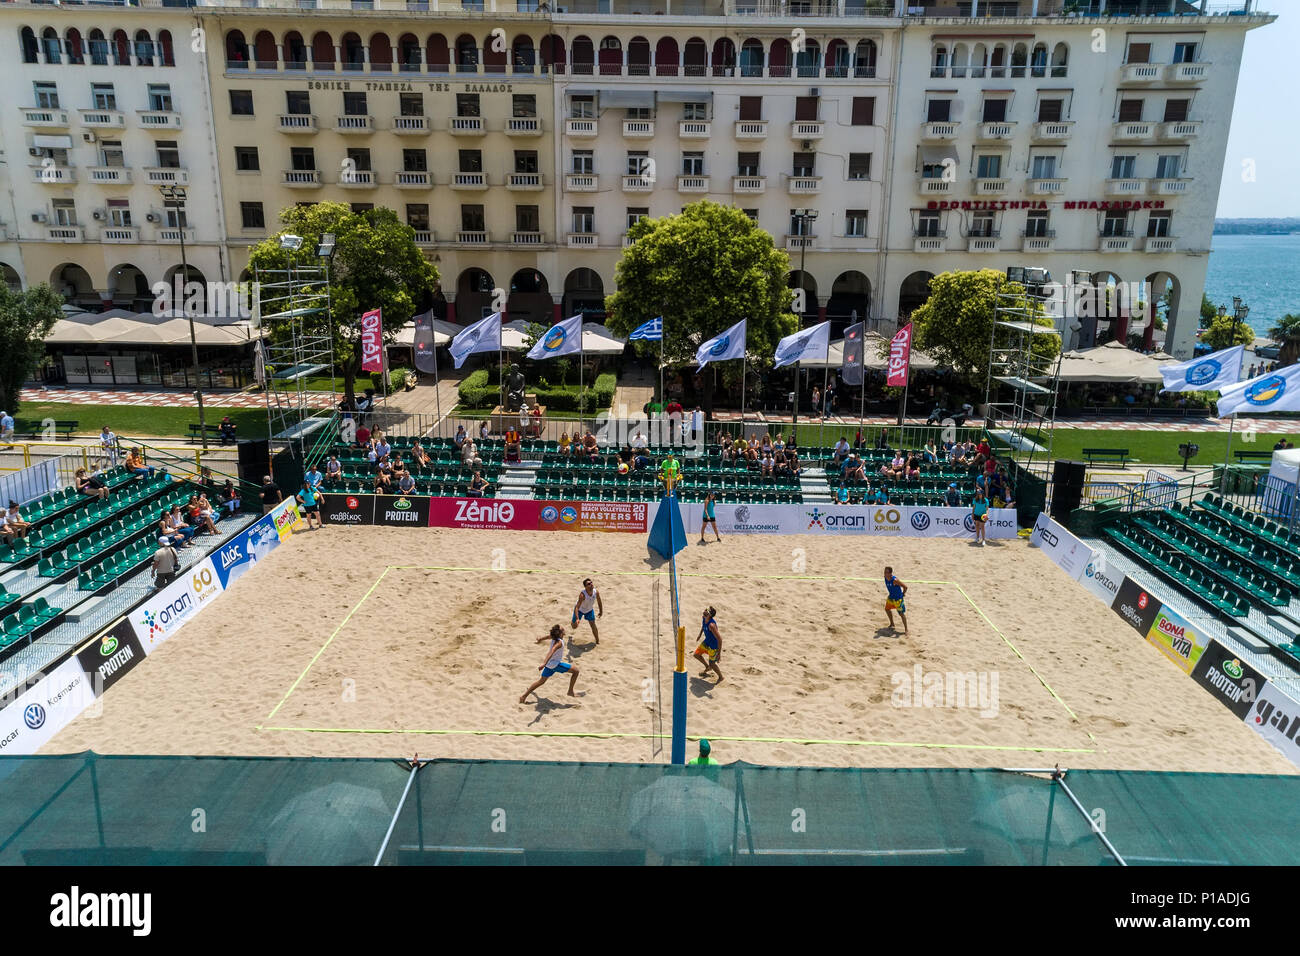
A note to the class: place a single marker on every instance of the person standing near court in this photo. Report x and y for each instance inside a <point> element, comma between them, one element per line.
<point>894,601</point>
<point>165,563</point>
<point>271,494</point>
<point>588,607</point>
<point>704,759</point>
<point>979,509</point>
<point>310,503</point>
<point>6,427</point>
<point>709,651</point>
<point>108,445</point>
<point>710,518</point>
<point>553,663</point>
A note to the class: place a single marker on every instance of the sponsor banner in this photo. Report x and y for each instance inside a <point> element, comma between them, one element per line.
<point>287,518</point>
<point>344,509</point>
<point>372,341</point>
<point>403,511</point>
<point>1100,579</point>
<point>1066,551</point>
<point>1234,683</point>
<point>108,659</point>
<point>244,550</point>
<point>1136,605</point>
<point>162,615</point>
<point>627,516</point>
<point>742,519</point>
<point>1276,718</point>
<point>45,708</point>
<point>1176,638</point>
<point>876,520</point>
<point>497,514</point>
<point>900,357</point>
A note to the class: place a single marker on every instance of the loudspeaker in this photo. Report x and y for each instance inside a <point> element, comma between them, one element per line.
<point>254,459</point>
<point>1067,488</point>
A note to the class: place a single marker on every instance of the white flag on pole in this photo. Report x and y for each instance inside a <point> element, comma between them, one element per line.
<point>483,336</point>
<point>1209,373</point>
<point>562,338</point>
<point>729,345</point>
<point>810,343</point>
<point>1274,392</point>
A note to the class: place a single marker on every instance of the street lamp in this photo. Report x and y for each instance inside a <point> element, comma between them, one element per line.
<point>804,217</point>
<point>173,197</point>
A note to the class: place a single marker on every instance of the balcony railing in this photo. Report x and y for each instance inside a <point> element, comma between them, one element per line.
<point>987,243</point>
<point>297,123</point>
<point>1126,187</point>
<point>748,184</point>
<point>692,184</point>
<point>469,181</point>
<point>930,243</point>
<point>583,239</point>
<point>358,178</point>
<point>1175,132</point>
<point>472,238</point>
<point>638,129</point>
<point>524,126</point>
<point>581,183</point>
<point>159,119</point>
<point>1186,72</point>
<point>103,119</point>
<point>1046,187</point>
<point>119,234</point>
<point>795,243</point>
<point>580,127</point>
<point>302,177</point>
<point>1159,244</point>
<point>51,174</point>
<point>997,131</point>
<point>167,234</point>
<point>803,185</point>
<point>524,181</point>
<point>423,237</point>
<point>939,131</point>
<point>412,180</point>
<point>1139,73</point>
<point>1116,243</point>
<point>466,125</point>
<point>64,233</point>
<point>929,185</point>
<point>164,175</point>
<point>1133,131</point>
<point>807,129</point>
<point>1053,131</point>
<point>108,175</point>
<point>411,125</point>
<point>354,124</point>
<point>991,187</point>
<point>638,184</point>
<point>1038,241</point>
<point>1170,187</point>
<point>527,238</point>
<point>42,118</point>
<point>751,129</point>
<point>693,129</point>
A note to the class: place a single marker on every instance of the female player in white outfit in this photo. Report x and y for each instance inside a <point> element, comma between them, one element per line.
<point>588,607</point>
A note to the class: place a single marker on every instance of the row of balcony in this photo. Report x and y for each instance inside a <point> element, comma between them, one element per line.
<point>1164,72</point>
<point>938,242</point>
<point>114,234</point>
<point>1171,132</point>
<point>38,117</point>
<point>51,174</point>
<point>531,182</point>
<point>937,186</point>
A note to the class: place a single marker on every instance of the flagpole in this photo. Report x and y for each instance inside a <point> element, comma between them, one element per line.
<point>743,358</point>
<point>581,355</point>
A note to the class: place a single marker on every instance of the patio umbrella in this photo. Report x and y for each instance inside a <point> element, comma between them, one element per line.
<point>599,340</point>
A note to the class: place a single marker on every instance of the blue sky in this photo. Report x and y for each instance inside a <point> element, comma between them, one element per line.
<point>1264,123</point>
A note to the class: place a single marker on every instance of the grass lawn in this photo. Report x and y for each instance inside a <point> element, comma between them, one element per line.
<point>132,420</point>
<point>1161,448</point>
<point>460,411</point>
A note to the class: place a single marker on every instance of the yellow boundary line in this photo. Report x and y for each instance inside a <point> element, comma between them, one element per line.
<point>748,577</point>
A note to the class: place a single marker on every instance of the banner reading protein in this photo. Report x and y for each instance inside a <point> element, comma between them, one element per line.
<point>404,511</point>
<point>109,659</point>
<point>1174,635</point>
<point>1234,683</point>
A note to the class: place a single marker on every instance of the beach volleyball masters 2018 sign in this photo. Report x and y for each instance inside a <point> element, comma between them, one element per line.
<point>526,515</point>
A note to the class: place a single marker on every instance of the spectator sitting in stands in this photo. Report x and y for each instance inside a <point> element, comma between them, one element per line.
<point>399,468</point>
<point>89,485</point>
<point>897,465</point>
<point>420,456</point>
<point>15,518</point>
<point>792,461</point>
<point>738,448</point>
<point>372,453</point>
<point>990,465</point>
<point>514,442</point>
<point>382,446</point>
<point>854,468</point>
<point>7,531</point>
<point>930,453</point>
<point>638,440</point>
<point>842,494</point>
<point>460,436</point>
<point>766,444</point>
<point>135,464</point>
<point>363,436</point>
<point>767,462</point>
<point>483,430</point>
<point>227,431</point>
<point>478,486</point>
<point>198,518</point>
<point>383,477</point>
<point>952,497</point>
<point>406,484</point>
<point>180,525</point>
<point>913,469</point>
<point>778,446</point>
<point>229,498</point>
<point>750,454</point>
<point>167,530</point>
<point>879,497</point>
<point>564,443</point>
<point>841,450</point>
<point>469,456</point>
<point>641,460</point>
<point>590,447</point>
<point>333,469</point>
<point>885,470</point>
<point>958,454</point>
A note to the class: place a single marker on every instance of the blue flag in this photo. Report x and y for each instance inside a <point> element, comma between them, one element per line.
<point>813,342</point>
<point>562,338</point>
<point>652,331</point>
<point>729,345</point>
<point>1272,392</point>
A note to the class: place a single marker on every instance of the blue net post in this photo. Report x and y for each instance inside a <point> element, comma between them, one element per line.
<point>667,537</point>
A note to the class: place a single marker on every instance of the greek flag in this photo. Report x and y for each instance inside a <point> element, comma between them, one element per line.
<point>729,345</point>
<point>483,336</point>
<point>652,331</point>
<point>1272,392</point>
<point>1209,373</point>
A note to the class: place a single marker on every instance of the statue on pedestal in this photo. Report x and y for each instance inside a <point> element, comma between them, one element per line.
<point>514,388</point>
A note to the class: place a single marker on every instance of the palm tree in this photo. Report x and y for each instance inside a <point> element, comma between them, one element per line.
<point>1287,334</point>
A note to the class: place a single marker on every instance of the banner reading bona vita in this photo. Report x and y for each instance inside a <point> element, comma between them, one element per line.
<point>1174,635</point>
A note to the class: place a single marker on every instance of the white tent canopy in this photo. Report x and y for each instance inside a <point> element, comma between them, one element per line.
<point>596,338</point>
<point>1113,364</point>
<point>872,343</point>
<point>119,328</point>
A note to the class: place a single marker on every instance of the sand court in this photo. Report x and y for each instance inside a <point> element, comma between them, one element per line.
<point>391,642</point>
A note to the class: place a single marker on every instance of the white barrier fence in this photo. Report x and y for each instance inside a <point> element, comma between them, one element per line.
<point>878,520</point>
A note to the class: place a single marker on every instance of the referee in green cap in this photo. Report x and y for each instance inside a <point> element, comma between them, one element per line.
<point>703,759</point>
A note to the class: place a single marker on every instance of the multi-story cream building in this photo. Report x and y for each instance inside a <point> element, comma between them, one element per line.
<point>521,139</point>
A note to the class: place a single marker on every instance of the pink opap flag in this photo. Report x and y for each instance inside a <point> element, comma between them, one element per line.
<point>372,341</point>
<point>900,356</point>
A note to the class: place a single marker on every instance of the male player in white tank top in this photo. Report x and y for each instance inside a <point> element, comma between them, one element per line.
<point>554,663</point>
<point>588,607</point>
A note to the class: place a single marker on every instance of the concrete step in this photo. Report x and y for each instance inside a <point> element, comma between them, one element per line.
<point>85,608</point>
<point>509,491</point>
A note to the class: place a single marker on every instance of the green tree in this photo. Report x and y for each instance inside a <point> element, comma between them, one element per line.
<point>376,265</point>
<point>1225,331</point>
<point>1208,311</point>
<point>703,270</point>
<point>1287,334</point>
<point>25,319</point>
<point>955,325</point>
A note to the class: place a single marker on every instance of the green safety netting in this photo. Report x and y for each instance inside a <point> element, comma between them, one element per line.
<point>87,809</point>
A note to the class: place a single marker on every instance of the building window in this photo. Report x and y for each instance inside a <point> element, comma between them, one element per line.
<point>995,111</point>
<point>584,162</point>
<point>693,164</point>
<point>799,225</point>
<point>297,102</point>
<point>528,219</point>
<point>1158,224</point>
<point>584,219</point>
<point>169,157</point>
<point>65,212</point>
<point>805,108</point>
<point>1130,111</point>
<point>467,104</point>
<point>471,218</point>
<point>160,97</point>
<point>695,112</point>
<point>859,165</point>
<point>751,109</point>
<point>471,160</point>
<point>927,224</point>
<point>1122,167</point>
<point>414,161</point>
<point>1176,110</point>
<point>1115,224</point>
<point>523,105</point>
<point>1185,52</point>
<point>525,160</point>
<point>804,164</point>
<point>110,153</point>
<point>1168,166</point>
<point>354,104</point>
<point>303,158</point>
<point>635,214</point>
<point>241,102</point>
<point>747,164</point>
<point>938,111</point>
<point>251,216</point>
<point>360,207</point>
<point>47,96</point>
<point>751,213</point>
<point>640,113</point>
<point>1051,111</point>
<point>359,159</point>
<point>855,223</point>
<point>582,107</point>
<point>864,111</point>
<point>988,166</point>
<point>638,162</point>
<point>1043,167</point>
<point>410,104</point>
<point>417,216</point>
<point>1138,53</point>
<point>933,170</point>
<point>176,218</point>
<point>1036,224</point>
<point>102,96</point>
<point>119,213</point>
<point>246,159</point>
<point>982,226</point>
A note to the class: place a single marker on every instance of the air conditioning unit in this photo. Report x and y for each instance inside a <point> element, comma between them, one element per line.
<point>40,217</point>
<point>152,217</point>
<point>98,214</point>
<point>807,145</point>
<point>88,137</point>
<point>815,91</point>
<point>33,151</point>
